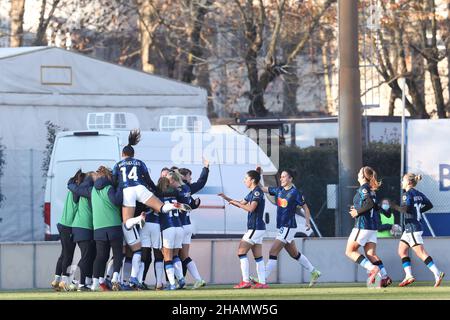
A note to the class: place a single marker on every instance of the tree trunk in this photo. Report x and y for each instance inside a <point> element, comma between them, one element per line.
<point>204,81</point>
<point>196,50</point>
<point>40,39</point>
<point>392,99</point>
<point>145,30</point>
<point>16,15</point>
<point>437,87</point>
<point>290,86</point>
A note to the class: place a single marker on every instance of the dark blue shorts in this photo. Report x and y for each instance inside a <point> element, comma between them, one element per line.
<point>82,234</point>
<point>108,233</point>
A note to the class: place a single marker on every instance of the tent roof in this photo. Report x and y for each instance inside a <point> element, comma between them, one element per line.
<point>56,77</point>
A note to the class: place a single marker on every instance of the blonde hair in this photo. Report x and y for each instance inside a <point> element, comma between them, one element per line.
<point>413,178</point>
<point>371,176</point>
<point>176,176</point>
<point>163,184</point>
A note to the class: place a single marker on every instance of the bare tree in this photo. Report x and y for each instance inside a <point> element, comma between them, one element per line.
<point>40,39</point>
<point>16,13</point>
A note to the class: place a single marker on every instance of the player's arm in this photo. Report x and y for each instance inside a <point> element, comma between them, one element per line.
<point>227,199</point>
<point>147,179</point>
<point>83,189</point>
<point>201,182</point>
<point>115,175</point>
<point>307,215</point>
<point>244,205</point>
<point>426,205</point>
<point>115,195</point>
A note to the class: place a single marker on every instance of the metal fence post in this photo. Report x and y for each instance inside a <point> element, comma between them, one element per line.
<point>31,194</point>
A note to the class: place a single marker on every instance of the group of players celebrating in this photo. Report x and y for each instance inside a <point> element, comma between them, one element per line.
<point>124,211</point>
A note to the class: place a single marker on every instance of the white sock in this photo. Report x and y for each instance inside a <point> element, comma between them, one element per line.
<point>305,262</point>
<point>159,272</point>
<point>126,270</point>
<point>115,277</point>
<point>178,268</point>
<point>88,281</point>
<point>57,278</point>
<point>135,264</point>
<point>110,268</point>
<point>192,268</point>
<point>132,221</point>
<point>366,264</point>
<point>101,280</point>
<point>65,279</point>
<point>408,271</point>
<point>141,272</point>
<point>433,269</point>
<point>95,283</point>
<point>167,207</point>
<point>261,270</point>
<point>382,270</point>
<point>271,264</point>
<point>244,268</point>
<point>170,273</point>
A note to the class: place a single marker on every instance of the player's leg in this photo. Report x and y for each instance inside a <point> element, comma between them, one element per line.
<point>117,250</point>
<point>291,248</point>
<point>178,267</point>
<point>159,268</point>
<point>188,263</point>
<point>357,239</point>
<point>92,251</point>
<point>370,250</point>
<point>168,237</point>
<point>403,248</point>
<point>145,234</point>
<point>277,245</point>
<point>419,250</point>
<point>244,247</point>
<point>101,258</point>
<point>260,267</point>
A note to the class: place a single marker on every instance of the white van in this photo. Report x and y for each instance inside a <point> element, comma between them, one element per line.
<point>228,164</point>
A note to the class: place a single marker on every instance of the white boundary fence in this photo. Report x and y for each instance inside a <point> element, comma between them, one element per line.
<point>29,265</point>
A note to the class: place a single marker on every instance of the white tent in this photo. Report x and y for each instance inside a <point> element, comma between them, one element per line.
<point>39,84</point>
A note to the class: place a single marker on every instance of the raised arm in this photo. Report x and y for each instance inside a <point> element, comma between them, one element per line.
<point>201,182</point>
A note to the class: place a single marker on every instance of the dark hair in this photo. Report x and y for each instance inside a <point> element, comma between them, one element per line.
<point>291,172</point>
<point>165,169</point>
<point>79,176</point>
<point>133,139</point>
<point>174,168</point>
<point>105,172</point>
<point>254,175</point>
<point>185,171</point>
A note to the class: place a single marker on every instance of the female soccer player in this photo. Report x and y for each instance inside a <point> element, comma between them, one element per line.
<point>414,204</point>
<point>132,175</point>
<point>106,204</point>
<point>364,211</point>
<point>83,228</point>
<point>185,191</point>
<point>65,234</point>
<point>172,235</point>
<point>288,197</point>
<point>253,203</point>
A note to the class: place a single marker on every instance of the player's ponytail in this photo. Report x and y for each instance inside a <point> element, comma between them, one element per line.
<point>413,178</point>
<point>133,139</point>
<point>255,176</point>
<point>371,176</point>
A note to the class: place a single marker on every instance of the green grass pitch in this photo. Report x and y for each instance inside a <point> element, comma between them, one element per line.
<point>323,291</point>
